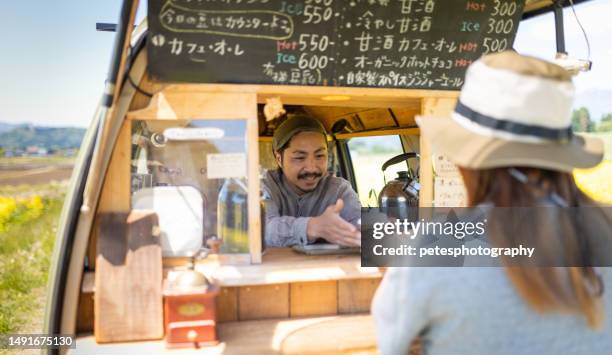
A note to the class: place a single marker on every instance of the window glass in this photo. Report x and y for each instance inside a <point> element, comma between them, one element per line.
<point>367,156</point>
<point>593,105</point>
<point>201,156</point>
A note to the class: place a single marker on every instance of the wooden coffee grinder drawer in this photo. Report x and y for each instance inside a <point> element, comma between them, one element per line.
<point>190,316</point>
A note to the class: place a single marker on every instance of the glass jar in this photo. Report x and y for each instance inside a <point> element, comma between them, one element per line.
<point>232,217</point>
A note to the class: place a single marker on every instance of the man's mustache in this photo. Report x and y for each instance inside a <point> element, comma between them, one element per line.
<point>309,175</point>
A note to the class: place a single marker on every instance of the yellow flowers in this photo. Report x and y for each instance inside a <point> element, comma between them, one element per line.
<point>7,206</point>
<point>19,210</point>
<point>596,182</point>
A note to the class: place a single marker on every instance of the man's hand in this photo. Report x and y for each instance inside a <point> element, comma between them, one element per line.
<point>331,227</point>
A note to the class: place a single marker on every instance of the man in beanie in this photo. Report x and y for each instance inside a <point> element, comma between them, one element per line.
<point>306,203</point>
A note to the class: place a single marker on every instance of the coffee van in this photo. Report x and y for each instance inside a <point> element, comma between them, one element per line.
<point>190,105</point>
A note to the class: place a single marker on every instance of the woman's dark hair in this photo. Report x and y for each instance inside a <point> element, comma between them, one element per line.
<point>575,289</point>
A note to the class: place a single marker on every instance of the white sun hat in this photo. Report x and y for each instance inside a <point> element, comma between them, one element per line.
<point>513,110</point>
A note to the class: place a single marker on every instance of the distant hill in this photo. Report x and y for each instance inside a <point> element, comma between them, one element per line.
<point>23,136</point>
<point>4,127</point>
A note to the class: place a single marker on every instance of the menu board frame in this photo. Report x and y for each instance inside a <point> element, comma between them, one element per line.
<point>415,44</point>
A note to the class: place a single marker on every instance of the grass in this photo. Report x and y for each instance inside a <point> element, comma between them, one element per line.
<point>50,190</point>
<point>25,252</point>
<point>27,161</point>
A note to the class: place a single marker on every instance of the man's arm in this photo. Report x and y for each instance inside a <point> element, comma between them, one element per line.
<point>339,224</point>
<point>352,206</point>
<point>284,231</point>
<point>333,228</point>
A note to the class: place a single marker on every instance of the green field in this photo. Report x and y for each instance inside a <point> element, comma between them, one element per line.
<point>29,171</point>
<point>38,161</point>
<point>28,223</point>
<point>32,191</point>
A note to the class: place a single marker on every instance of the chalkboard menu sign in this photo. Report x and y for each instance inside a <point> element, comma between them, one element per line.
<point>421,44</point>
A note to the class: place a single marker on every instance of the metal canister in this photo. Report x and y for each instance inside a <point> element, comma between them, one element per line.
<point>399,198</point>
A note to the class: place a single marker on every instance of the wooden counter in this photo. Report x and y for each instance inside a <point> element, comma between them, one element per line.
<point>280,265</point>
<point>283,265</point>
<point>285,285</point>
<point>322,335</point>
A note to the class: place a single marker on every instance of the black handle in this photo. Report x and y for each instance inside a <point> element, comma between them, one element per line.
<point>398,159</point>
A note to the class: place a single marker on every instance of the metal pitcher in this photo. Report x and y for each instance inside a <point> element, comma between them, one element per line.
<point>400,197</point>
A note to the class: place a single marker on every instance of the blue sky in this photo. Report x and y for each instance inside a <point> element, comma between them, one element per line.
<point>53,62</point>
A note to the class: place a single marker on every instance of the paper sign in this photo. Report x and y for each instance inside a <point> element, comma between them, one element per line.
<point>444,167</point>
<point>193,134</point>
<point>449,192</point>
<point>226,165</point>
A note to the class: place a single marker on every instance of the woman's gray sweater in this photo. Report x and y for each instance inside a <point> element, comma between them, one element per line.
<point>476,311</point>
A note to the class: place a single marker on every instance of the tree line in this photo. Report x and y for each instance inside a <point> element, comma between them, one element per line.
<point>582,122</point>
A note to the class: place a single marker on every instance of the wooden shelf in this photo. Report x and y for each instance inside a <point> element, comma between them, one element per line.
<point>334,335</point>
